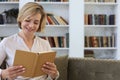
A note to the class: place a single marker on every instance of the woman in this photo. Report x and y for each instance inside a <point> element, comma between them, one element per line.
<point>31,19</point>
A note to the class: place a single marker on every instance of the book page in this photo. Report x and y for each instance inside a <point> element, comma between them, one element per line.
<point>26,59</point>
<point>43,58</point>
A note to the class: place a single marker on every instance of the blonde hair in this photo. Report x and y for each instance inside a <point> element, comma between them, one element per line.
<point>31,8</point>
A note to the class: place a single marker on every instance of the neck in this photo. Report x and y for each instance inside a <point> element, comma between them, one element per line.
<point>26,37</point>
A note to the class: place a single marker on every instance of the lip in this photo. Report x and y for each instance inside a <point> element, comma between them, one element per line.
<point>30,29</point>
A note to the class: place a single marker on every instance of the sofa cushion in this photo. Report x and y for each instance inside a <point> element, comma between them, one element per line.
<point>93,69</point>
<point>62,65</point>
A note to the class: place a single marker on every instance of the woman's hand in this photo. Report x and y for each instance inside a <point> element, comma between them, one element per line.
<point>12,72</point>
<point>50,69</point>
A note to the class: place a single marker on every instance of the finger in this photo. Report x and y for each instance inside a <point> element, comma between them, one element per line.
<point>16,69</point>
<point>16,73</point>
<point>50,65</point>
<point>48,71</point>
<point>19,71</point>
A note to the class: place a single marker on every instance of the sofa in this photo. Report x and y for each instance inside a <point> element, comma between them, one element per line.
<point>87,68</point>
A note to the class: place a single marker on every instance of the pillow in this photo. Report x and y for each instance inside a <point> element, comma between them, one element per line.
<point>62,65</point>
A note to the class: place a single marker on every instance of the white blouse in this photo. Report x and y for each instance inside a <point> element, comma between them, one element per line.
<point>10,44</point>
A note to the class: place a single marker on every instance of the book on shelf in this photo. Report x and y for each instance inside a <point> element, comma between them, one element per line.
<point>51,41</point>
<point>86,19</point>
<point>100,0</point>
<point>56,41</point>
<point>112,19</point>
<point>90,19</point>
<point>67,40</point>
<point>50,21</point>
<point>52,0</point>
<point>87,43</point>
<point>94,41</point>
<point>89,0</point>
<point>109,41</point>
<point>113,40</point>
<point>33,62</point>
<point>105,41</point>
<point>88,53</point>
<point>66,23</point>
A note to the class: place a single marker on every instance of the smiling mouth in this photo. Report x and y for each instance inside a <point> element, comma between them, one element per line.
<point>29,29</point>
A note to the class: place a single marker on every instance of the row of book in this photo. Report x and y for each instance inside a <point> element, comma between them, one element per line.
<point>10,16</point>
<point>52,0</point>
<point>57,41</point>
<point>99,19</point>
<point>55,20</point>
<point>9,0</point>
<point>100,41</point>
<point>100,0</point>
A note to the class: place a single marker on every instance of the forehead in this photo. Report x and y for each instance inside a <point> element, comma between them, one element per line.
<point>36,16</point>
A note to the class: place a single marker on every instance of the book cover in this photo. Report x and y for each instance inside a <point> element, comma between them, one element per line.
<point>33,62</point>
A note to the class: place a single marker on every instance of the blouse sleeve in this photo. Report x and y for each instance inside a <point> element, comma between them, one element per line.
<point>2,52</point>
<point>49,78</point>
<point>2,55</point>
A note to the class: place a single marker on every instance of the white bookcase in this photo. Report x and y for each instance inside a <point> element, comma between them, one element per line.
<point>73,11</point>
<point>98,30</point>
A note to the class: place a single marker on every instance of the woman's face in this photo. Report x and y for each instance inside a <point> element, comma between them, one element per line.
<point>30,24</point>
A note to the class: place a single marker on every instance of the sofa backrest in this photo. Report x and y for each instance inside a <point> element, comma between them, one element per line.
<point>93,69</point>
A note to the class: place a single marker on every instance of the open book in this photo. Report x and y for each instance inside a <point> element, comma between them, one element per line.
<point>33,62</point>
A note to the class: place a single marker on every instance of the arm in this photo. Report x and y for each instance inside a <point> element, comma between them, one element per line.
<point>11,72</point>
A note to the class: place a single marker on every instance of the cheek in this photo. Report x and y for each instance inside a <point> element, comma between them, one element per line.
<point>24,24</point>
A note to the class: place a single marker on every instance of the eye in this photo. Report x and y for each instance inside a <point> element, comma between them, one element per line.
<point>27,20</point>
<point>36,22</point>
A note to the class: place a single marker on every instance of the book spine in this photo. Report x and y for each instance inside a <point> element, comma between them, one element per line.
<point>35,64</point>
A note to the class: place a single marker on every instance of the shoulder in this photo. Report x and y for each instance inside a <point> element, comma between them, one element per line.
<point>9,39</point>
<point>40,40</point>
<point>44,44</point>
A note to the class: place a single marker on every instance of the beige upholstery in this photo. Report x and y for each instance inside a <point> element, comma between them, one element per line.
<point>93,69</point>
<point>62,65</point>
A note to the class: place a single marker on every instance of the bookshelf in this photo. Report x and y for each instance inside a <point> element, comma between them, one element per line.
<point>100,29</point>
<point>73,11</point>
<point>55,9</point>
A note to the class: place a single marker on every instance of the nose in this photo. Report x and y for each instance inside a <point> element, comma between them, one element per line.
<point>31,24</point>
